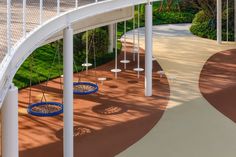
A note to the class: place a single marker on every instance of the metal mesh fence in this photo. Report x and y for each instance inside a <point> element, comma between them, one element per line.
<point>3,29</point>
<point>67,5</point>
<point>34,16</point>
<point>50,9</point>
<point>16,21</point>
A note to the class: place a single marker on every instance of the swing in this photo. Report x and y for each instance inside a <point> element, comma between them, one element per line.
<point>135,49</point>
<point>116,70</point>
<point>45,108</point>
<point>138,69</point>
<point>125,61</point>
<point>86,88</point>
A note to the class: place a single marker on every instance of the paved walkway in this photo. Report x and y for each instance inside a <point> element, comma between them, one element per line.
<point>190,127</point>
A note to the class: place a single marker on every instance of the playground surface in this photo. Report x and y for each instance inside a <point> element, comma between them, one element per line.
<point>218,82</point>
<point>190,126</point>
<point>105,123</point>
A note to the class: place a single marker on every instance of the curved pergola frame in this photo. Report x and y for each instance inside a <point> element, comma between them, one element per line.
<point>19,53</point>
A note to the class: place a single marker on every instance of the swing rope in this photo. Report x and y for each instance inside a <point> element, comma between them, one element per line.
<point>85,88</point>
<point>134,37</point>
<point>94,56</point>
<point>49,72</point>
<point>125,61</point>
<point>45,109</point>
<point>138,69</point>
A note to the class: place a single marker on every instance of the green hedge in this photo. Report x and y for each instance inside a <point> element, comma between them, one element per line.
<point>205,27</point>
<point>172,17</point>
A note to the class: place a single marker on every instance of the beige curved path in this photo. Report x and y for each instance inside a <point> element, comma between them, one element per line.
<point>190,127</point>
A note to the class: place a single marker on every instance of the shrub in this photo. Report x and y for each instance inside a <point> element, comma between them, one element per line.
<point>101,41</point>
<point>204,26</point>
<point>172,17</point>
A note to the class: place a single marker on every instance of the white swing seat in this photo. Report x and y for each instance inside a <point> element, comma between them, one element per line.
<point>138,69</point>
<point>125,61</point>
<point>87,65</point>
<point>102,79</point>
<point>115,70</point>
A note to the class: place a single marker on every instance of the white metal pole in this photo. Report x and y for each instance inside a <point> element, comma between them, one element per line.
<point>8,26</point>
<point>138,62</point>
<point>9,118</point>
<point>234,20</point>
<point>134,40</point>
<point>227,22</point>
<point>68,144</point>
<point>87,47</point>
<point>58,7</point>
<point>111,37</point>
<point>148,50</point>
<point>116,51</point>
<point>24,18</point>
<point>114,35</point>
<point>219,21</point>
<point>40,11</point>
<point>76,3</point>
<point>125,46</point>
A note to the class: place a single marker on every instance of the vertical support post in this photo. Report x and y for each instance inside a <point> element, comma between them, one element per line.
<point>9,118</point>
<point>134,35</point>
<point>76,3</point>
<point>227,21</point>
<point>148,50</point>
<point>87,49</point>
<point>24,18</point>
<point>58,7</point>
<point>40,12</point>
<point>235,20</point>
<point>125,44</point>
<point>8,26</point>
<point>114,35</point>
<point>138,58</point>
<point>111,37</point>
<point>116,52</point>
<point>219,21</point>
<point>68,145</point>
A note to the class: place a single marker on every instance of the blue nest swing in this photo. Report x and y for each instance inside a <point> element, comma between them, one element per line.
<point>45,109</point>
<point>84,88</point>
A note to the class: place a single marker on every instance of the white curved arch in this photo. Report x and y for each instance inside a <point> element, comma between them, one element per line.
<point>34,39</point>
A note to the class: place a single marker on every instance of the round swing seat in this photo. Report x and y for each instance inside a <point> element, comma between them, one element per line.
<point>125,61</point>
<point>116,70</point>
<point>45,109</point>
<point>138,69</point>
<point>84,88</point>
<point>102,79</point>
<point>87,65</point>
